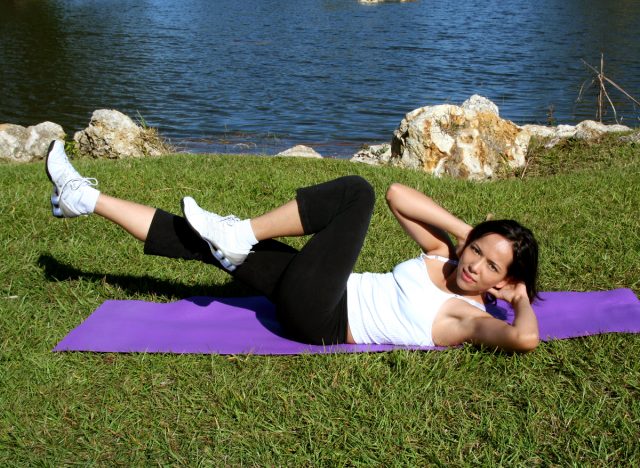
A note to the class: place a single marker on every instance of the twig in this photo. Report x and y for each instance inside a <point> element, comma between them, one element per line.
<point>602,90</point>
<point>615,114</point>
<point>622,90</point>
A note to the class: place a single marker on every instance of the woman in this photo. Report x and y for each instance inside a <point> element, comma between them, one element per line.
<point>435,299</point>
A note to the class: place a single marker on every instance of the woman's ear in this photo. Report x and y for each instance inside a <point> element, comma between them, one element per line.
<point>503,283</point>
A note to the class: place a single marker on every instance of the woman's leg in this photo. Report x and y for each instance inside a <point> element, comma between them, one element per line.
<point>308,287</point>
<point>75,195</point>
<point>283,221</point>
<point>311,293</point>
<point>171,236</point>
<point>164,234</point>
<point>132,217</point>
<point>231,240</point>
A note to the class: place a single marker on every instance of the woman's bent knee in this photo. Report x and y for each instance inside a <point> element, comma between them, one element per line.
<point>361,189</point>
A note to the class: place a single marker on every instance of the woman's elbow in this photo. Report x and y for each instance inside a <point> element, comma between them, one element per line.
<point>393,192</point>
<point>528,343</point>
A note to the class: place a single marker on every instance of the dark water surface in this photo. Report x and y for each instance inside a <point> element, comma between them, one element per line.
<point>261,75</point>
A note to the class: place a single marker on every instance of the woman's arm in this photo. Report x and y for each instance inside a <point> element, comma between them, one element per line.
<point>522,335</point>
<point>425,221</point>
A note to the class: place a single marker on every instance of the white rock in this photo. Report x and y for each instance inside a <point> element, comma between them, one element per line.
<point>376,155</point>
<point>540,131</point>
<point>633,138</point>
<point>591,130</point>
<point>20,144</point>
<point>300,151</point>
<point>470,142</point>
<point>617,128</point>
<point>477,103</point>
<point>587,130</point>
<point>40,137</point>
<point>111,134</point>
<point>565,131</point>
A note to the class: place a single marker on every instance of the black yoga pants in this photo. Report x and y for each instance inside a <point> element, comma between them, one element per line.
<point>308,286</point>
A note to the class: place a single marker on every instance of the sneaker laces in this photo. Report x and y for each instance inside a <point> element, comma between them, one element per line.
<point>75,184</point>
<point>229,220</point>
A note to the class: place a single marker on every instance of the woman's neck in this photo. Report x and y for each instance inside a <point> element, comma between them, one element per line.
<point>452,285</point>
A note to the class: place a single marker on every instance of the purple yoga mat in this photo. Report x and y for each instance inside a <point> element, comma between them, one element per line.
<point>247,325</point>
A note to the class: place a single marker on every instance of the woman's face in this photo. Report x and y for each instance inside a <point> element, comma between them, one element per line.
<point>484,263</point>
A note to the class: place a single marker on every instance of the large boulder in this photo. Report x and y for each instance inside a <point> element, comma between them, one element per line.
<point>24,144</point>
<point>469,141</point>
<point>113,135</point>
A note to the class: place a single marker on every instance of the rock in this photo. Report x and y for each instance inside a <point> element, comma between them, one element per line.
<point>376,155</point>
<point>477,103</point>
<point>539,131</point>
<point>591,131</point>
<point>12,143</point>
<point>633,138</point>
<point>300,151</point>
<point>111,134</point>
<point>20,144</point>
<point>565,131</point>
<point>587,130</point>
<point>461,142</point>
<point>617,128</point>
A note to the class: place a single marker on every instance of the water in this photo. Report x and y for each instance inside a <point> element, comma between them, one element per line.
<point>262,75</point>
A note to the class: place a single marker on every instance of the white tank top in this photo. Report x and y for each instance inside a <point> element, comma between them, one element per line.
<point>397,307</point>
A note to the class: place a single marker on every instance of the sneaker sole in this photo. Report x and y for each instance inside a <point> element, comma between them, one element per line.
<point>57,214</point>
<point>46,161</point>
<point>215,250</point>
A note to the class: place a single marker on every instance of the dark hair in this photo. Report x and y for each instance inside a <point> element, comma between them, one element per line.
<point>524,266</point>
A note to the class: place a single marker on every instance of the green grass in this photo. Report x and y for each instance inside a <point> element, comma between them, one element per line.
<point>579,155</point>
<point>573,402</point>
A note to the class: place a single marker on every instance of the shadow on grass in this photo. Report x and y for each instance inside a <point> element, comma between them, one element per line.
<point>55,270</point>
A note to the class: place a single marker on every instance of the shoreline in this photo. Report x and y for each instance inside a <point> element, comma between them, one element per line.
<point>469,140</point>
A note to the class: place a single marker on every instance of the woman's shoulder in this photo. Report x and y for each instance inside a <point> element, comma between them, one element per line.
<point>450,326</point>
<point>442,252</point>
<point>439,264</point>
<point>439,258</point>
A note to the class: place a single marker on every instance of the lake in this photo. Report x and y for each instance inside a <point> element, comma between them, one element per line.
<point>261,75</point>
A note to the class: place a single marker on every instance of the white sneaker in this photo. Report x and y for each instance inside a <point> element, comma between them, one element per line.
<point>73,195</point>
<point>219,232</point>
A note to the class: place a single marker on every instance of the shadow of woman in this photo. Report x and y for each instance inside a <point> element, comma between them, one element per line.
<point>54,270</point>
<point>233,293</point>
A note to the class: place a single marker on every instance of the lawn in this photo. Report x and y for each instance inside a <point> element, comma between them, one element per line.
<point>573,402</point>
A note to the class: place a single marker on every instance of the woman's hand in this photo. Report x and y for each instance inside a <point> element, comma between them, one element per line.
<point>521,335</point>
<point>511,292</point>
